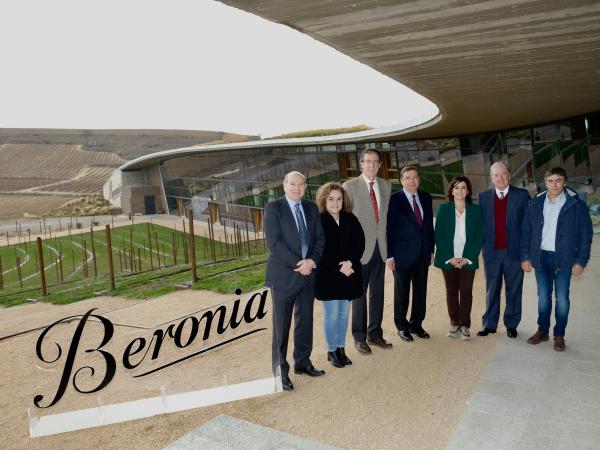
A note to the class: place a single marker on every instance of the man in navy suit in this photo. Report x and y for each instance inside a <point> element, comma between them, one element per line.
<point>503,208</point>
<point>296,241</point>
<point>410,243</point>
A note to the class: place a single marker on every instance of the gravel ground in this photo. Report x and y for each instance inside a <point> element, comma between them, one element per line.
<point>412,396</point>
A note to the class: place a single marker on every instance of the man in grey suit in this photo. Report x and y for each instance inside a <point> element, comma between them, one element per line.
<point>370,196</point>
<point>296,241</point>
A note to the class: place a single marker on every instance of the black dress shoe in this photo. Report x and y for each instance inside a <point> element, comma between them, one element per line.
<point>342,355</point>
<point>335,359</point>
<point>405,335</point>
<point>379,342</point>
<point>309,370</point>
<point>511,332</point>
<point>421,333</point>
<point>485,332</point>
<point>286,383</point>
<point>362,347</point>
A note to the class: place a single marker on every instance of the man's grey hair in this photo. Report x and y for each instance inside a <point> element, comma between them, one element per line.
<point>499,164</point>
<point>293,172</point>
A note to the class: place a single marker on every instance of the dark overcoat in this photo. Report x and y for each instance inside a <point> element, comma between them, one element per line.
<point>343,242</point>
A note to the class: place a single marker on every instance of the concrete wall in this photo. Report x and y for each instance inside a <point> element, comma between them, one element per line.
<point>132,198</point>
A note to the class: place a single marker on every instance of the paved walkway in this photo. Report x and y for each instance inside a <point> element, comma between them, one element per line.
<point>533,397</point>
<point>529,397</point>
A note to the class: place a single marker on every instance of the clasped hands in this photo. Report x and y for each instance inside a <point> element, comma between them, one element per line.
<point>346,268</point>
<point>305,267</point>
<point>458,263</point>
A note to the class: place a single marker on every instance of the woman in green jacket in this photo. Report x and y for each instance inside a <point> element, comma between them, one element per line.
<point>458,241</point>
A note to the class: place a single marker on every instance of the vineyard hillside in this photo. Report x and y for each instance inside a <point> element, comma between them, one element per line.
<point>56,166</point>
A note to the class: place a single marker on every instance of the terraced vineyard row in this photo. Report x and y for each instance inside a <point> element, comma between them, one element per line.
<point>60,162</point>
<point>88,181</point>
<point>18,184</point>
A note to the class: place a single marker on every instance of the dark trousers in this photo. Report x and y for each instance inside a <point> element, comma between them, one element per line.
<point>373,278</point>
<point>403,278</point>
<point>496,270</point>
<point>459,295</point>
<point>301,304</point>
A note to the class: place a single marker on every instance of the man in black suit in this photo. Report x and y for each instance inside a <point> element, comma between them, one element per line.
<point>410,242</point>
<point>296,241</point>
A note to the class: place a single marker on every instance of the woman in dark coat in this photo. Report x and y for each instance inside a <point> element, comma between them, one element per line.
<point>339,273</point>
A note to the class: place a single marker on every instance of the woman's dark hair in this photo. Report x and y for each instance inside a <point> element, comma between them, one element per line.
<point>454,182</point>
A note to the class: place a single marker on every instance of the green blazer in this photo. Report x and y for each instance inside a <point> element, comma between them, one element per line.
<point>445,222</point>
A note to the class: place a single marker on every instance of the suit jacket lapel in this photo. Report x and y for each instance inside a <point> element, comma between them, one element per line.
<point>409,206</point>
<point>288,215</point>
<point>364,192</point>
<point>309,221</point>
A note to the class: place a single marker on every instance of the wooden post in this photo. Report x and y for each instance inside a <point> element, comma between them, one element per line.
<point>41,270</point>
<point>93,252</point>
<point>139,259</point>
<point>158,250</point>
<point>55,259</point>
<point>85,264</point>
<point>1,276</point>
<point>212,240</point>
<point>131,250</point>
<point>19,273</point>
<point>120,261</point>
<point>247,239</point>
<point>111,272</point>
<point>192,247</point>
<point>150,247</point>
<point>60,255</point>
<point>174,250</point>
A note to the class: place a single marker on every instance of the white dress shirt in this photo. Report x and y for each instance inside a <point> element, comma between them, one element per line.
<point>375,188</point>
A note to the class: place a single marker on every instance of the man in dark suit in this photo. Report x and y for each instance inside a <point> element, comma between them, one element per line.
<point>296,241</point>
<point>410,244</point>
<point>503,208</point>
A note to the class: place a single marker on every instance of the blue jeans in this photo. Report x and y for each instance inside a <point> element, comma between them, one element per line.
<point>547,276</point>
<point>335,322</point>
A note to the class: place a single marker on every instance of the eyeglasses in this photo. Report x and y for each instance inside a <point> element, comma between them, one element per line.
<point>369,162</point>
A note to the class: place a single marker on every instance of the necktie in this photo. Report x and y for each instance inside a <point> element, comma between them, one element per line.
<point>417,210</point>
<point>501,195</point>
<point>374,201</point>
<point>301,230</point>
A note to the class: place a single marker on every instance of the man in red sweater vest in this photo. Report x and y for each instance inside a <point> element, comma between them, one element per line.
<point>503,208</point>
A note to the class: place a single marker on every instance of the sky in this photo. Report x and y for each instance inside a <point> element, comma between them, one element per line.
<point>182,64</point>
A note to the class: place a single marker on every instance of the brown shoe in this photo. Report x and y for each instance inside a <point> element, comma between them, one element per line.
<point>362,347</point>
<point>379,342</point>
<point>538,337</point>
<point>559,343</point>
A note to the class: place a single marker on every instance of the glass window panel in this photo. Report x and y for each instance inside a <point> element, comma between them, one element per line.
<point>547,133</point>
<point>518,137</point>
<point>406,145</point>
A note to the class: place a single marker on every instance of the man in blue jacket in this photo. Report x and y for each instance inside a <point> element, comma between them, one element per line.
<point>556,238</point>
